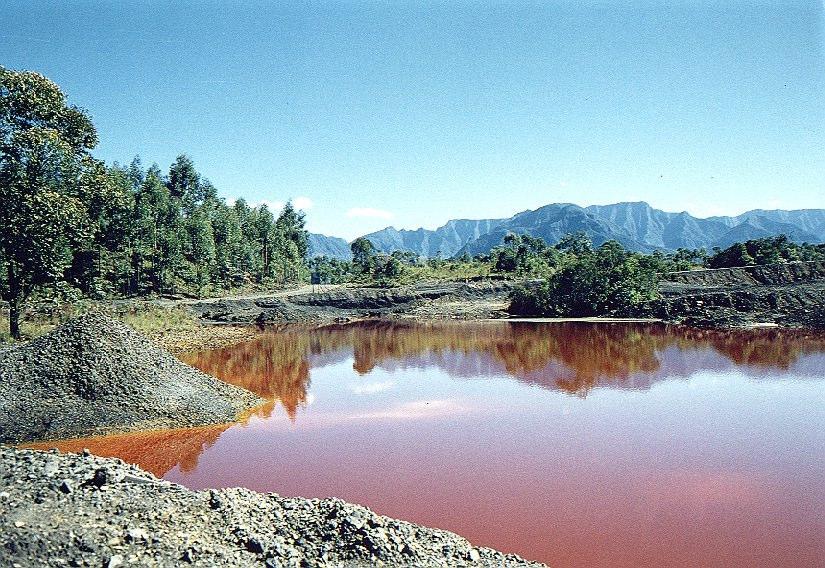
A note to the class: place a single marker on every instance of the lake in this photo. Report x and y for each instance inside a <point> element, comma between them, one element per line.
<point>577,444</point>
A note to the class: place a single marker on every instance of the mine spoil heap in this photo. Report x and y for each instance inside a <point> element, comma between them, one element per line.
<point>95,375</point>
<point>81,510</point>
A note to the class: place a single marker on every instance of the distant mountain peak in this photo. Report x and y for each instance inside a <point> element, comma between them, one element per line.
<point>635,224</point>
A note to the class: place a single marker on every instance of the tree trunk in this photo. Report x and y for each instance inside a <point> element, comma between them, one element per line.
<point>14,318</point>
<point>15,297</point>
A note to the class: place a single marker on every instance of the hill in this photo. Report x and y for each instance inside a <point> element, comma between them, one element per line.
<point>332,247</point>
<point>636,225</point>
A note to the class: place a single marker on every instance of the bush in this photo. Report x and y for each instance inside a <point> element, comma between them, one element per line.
<point>609,281</point>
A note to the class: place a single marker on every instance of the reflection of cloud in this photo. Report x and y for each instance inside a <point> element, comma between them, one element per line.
<point>415,410</point>
<point>372,388</point>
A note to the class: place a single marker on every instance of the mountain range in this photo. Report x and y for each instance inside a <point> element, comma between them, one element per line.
<point>637,226</point>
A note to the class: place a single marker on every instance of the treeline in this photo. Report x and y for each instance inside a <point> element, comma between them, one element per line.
<point>170,233</point>
<point>769,250</point>
<point>570,278</point>
<point>71,225</point>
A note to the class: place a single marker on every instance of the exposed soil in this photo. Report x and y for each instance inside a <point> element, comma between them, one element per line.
<point>788,295</point>
<point>444,300</point>
<point>80,510</point>
<point>204,336</point>
<point>95,375</point>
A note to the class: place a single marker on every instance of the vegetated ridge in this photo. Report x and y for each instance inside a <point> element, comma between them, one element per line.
<point>80,510</point>
<point>637,226</point>
<point>95,375</point>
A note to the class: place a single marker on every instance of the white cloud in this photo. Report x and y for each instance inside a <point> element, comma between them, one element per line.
<point>369,212</point>
<point>372,388</point>
<point>303,203</point>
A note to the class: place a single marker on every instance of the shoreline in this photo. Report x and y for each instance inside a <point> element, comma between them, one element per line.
<point>84,510</point>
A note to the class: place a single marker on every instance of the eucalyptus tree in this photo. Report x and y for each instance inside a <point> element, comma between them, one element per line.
<point>47,179</point>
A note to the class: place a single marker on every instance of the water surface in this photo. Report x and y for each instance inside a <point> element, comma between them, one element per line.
<point>575,444</point>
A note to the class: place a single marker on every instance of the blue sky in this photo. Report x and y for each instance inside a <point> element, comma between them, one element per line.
<point>413,113</point>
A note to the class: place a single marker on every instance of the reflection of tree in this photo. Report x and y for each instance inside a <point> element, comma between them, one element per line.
<point>572,356</point>
<point>155,451</point>
<point>274,365</point>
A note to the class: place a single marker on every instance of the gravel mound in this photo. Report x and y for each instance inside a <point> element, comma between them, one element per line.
<point>95,375</point>
<point>80,510</point>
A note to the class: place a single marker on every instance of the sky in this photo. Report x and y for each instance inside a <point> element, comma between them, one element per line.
<point>409,114</point>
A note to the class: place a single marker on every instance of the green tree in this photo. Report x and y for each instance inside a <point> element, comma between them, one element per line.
<point>607,281</point>
<point>44,184</point>
<point>201,247</point>
<point>363,255</point>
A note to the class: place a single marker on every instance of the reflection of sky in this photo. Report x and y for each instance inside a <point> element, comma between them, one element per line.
<point>692,468</point>
<point>696,461</point>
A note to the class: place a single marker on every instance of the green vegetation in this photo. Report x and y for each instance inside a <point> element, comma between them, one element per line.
<point>770,250</point>
<point>606,281</point>
<point>77,230</point>
<point>75,227</point>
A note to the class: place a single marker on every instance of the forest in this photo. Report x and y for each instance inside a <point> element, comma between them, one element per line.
<point>76,227</point>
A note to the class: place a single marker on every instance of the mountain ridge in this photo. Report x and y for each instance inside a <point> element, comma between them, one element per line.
<point>635,224</point>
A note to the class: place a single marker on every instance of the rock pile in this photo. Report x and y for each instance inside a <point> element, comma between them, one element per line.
<point>95,375</point>
<point>80,510</point>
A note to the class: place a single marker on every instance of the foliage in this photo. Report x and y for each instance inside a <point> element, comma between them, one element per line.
<point>120,230</point>
<point>363,255</point>
<point>525,255</point>
<point>325,270</point>
<point>768,250</point>
<point>48,185</point>
<point>607,281</point>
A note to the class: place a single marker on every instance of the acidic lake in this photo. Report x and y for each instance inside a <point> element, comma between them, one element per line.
<point>577,444</point>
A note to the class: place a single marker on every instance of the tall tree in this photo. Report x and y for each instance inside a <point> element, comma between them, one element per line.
<point>363,254</point>
<point>44,186</point>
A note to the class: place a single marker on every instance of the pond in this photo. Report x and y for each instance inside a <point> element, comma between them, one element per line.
<point>577,444</point>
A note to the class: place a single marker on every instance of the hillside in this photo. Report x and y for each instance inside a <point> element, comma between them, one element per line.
<point>332,247</point>
<point>637,225</point>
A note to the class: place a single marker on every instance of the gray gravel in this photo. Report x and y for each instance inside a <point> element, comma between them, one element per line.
<point>81,510</point>
<point>96,375</point>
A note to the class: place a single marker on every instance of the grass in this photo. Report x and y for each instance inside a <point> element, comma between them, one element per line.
<point>28,329</point>
<point>155,320</point>
<point>146,318</point>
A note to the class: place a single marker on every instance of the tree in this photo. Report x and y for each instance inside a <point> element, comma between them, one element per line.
<point>184,183</point>
<point>607,281</point>
<point>363,254</point>
<point>45,184</point>
<point>201,249</point>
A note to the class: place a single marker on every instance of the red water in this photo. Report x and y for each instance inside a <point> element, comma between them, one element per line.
<point>575,444</point>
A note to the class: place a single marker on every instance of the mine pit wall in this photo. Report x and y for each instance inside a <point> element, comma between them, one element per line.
<point>768,275</point>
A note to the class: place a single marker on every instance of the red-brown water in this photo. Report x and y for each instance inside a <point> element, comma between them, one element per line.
<point>575,444</point>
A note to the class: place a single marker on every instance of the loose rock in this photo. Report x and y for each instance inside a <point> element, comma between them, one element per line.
<point>95,375</point>
<point>162,524</point>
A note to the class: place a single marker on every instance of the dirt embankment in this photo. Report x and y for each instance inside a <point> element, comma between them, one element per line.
<point>791,295</point>
<point>96,375</point>
<point>80,510</point>
<point>445,300</point>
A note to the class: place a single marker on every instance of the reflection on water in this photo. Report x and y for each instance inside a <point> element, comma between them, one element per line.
<point>577,444</point>
<point>573,357</point>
